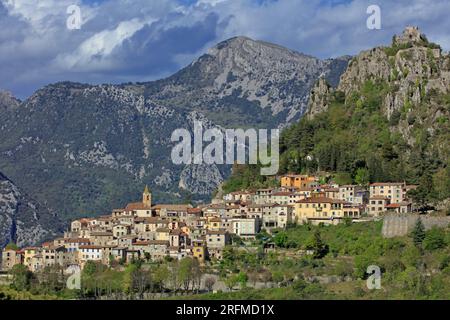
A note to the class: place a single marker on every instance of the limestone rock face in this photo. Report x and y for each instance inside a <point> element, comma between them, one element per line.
<point>318,100</point>
<point>8,101</point>
<point>412,67</point>
<point>22,219</point>
<point>370,64</point>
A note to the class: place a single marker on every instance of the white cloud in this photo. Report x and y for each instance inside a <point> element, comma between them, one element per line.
<point>166,34</point>
<point>93,52</point>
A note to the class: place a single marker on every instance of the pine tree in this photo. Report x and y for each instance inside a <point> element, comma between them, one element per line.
<point>418,233</point>
<point>319,247</point>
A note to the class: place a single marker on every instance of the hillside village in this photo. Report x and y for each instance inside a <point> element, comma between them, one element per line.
<point>143,230</point>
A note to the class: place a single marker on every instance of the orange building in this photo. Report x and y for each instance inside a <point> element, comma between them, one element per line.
<point>298,181</point>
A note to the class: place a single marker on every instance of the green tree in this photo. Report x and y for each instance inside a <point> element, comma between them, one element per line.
<point>418,233</point>
<point>434,239</point>
<point>242,279</point>
<point>231,281</point>
<point>21,277</point>
<point>319,247</point>
<point>128,280</point>
<point>160,275</point>
<point>281,239</point>
<point>342,178</point>
<point>185,272</point>
<point>362,177</point>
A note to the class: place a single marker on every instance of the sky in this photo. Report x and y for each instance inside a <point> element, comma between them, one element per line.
<point>142,40</point>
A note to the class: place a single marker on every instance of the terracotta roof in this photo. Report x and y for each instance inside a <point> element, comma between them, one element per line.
<point>175,207</point>
<point>393,205</point>
<point>137,206</point>
<point>194,210</point>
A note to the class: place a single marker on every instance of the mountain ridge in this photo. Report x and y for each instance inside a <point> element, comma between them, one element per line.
<point>94,146</point>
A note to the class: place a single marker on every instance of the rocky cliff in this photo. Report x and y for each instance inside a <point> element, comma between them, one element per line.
<point>23,220</point>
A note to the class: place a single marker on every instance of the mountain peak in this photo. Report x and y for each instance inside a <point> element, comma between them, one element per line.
<point>245,45</point>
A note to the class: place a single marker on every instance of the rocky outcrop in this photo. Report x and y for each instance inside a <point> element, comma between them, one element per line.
<point>415,75</point>
<point>319,97</point>
<point>8,101</point>
<point>412,66</point>
<point>23,220</point>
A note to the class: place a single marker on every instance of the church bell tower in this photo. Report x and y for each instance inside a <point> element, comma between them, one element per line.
<point>147,197</point>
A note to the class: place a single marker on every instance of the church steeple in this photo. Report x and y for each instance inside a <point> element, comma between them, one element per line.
<point>147,197</point>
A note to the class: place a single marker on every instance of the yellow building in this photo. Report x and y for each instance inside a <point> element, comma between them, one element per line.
<point>162,234</point>
<point>29,254</point>
<point>325,210</point>
<point>214,223</point>
<point>199,250</point>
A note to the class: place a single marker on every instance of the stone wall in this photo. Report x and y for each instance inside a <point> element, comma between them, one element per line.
<point>396,225</point>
